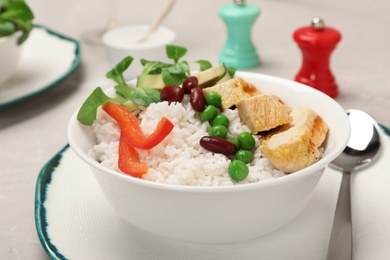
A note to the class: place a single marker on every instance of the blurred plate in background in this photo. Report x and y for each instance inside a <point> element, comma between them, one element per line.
<point>47,58</point>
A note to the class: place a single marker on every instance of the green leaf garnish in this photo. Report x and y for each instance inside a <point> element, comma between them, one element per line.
<point>116,74</point>
<point>145,96</point>
<point>172,79</point>
<point>231,71</point>
<point>204,64</point>
<point>175,52</point>
<point>7,28</point>
<point>123,91</point>
<point>15,15</point>
<point>155,73</point>
<point>153,67</point>
<point>174,73</point>
<point>178,68</point>
<point>87,112</point>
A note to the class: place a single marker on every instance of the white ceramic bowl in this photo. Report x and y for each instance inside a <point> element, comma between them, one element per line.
<point>220,214</point>
<point>120,42</point>
<point>10,56</point>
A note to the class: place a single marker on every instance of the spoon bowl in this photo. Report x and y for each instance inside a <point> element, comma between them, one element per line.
<point>363,144</point>
<point>362,149</point>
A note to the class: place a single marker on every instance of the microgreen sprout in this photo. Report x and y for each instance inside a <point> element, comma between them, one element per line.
<point>141,95</point>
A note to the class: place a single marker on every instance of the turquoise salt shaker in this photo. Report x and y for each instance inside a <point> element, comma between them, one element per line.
<point>239,51</point>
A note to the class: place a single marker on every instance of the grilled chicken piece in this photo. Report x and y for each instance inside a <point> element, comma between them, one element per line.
<point>263,112</point>
<point>294,146</point>
<point>233,90</point>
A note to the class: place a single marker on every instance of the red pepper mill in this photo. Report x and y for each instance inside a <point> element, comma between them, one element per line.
<point>317,43</point>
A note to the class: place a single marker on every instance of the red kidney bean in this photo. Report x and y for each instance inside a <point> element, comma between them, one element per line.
<point>217,145</point>
<point>190,83</point>
<point>197,99</point>
<point>172,93</point>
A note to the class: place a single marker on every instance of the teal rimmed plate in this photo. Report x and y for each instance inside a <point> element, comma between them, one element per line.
<point>47,59</point>
<point>74,220</point>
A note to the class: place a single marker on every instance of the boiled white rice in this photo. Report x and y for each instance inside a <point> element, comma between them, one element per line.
<point>179,159</point>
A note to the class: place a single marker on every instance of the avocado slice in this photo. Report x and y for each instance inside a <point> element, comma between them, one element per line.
<point>210,77</point>
<point>206,78</point>
<point>154,81</point>
<point>225,78</point>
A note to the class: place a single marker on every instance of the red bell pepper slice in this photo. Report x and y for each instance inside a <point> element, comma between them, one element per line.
<point>128,161</point>
<point>164,127</point>
<point>127,122</point>
<point>131,129</point>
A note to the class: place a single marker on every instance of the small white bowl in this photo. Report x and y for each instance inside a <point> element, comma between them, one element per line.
<point>225,213</point>
<point>121,42</point>
<point>10,53</point>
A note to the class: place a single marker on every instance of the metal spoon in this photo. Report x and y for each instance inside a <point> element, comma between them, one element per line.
<point>362,148</point>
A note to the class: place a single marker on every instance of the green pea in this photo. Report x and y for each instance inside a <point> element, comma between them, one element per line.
<point>235,142</point>
<point>221,119</point>
<point>238,170</point>
<point>213,98</point>
<point>246,141</point>
<point>244,155</point>
<point>218,131</point>
<point>208,113</point>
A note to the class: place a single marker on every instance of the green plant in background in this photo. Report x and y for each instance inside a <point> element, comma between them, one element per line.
<point>15,15</point>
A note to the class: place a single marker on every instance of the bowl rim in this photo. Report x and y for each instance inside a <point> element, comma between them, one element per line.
<point>318,166</point>
<point>110,44</point>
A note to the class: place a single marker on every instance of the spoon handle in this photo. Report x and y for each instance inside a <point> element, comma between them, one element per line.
<point>340,244</point>
<point>163,12</point>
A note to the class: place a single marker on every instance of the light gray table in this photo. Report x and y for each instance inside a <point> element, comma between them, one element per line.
<point>32,132</point>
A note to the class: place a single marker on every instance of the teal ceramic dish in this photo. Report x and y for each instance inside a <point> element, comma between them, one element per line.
<point>58,57</point>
